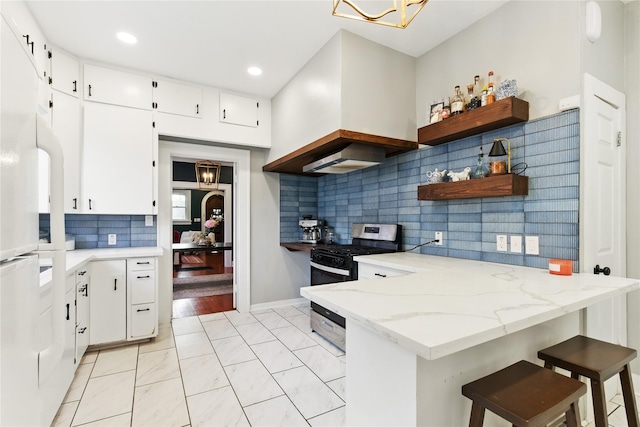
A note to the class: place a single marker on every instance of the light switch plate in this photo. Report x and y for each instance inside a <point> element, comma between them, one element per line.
<point>148,220</point>
<point>532,245</point>
<point>501,242</point>
<point>516,244</point>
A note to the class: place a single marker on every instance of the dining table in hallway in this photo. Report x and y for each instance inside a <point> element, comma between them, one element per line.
<point>194,247</point>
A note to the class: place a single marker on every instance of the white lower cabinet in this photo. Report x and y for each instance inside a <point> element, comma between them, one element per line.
<point>82,312</point>
<point>141,283</point>
<point>123,300</point>
<point>108,301</point>
<point>69,353</point>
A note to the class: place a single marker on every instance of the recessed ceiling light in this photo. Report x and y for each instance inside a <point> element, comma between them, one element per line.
<point>127,38</point>
<point>254,71</point>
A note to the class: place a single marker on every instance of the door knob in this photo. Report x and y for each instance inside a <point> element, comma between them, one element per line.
<point>598,270</point>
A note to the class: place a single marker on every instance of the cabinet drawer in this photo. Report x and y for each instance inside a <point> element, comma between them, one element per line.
<point>369,271</point>
<point>143,286</point>
<point>143,321</point>
<point>140,264</point>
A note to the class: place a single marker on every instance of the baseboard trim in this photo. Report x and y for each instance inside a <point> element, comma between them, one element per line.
<point>273,304</point>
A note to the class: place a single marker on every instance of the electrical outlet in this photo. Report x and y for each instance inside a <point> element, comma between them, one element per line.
<point>439,238</point>
<point>501,241</point>
<point>532,245</point>
<point>148,220</point>
<point>516,244</point>
<point>112,239</point>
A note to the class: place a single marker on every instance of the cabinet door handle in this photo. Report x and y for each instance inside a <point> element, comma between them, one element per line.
<point>82,273</point>
<point>75,85</point>
<point>142,309</point>
<point>75,203</point>
<point>143,277</point>
<point>82,330</point>
<point>115,284</point>
<point>90,204</point>
<point>224,114</point>
<point>197,108</point>
<point>380,275</point>
<point>143,262</point>
<point>89,90</point>
<point>67,311</point>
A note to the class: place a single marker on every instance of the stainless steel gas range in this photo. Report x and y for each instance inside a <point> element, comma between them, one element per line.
<point>334,263</point>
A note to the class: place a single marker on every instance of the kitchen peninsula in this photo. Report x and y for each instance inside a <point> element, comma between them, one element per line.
<point>413,340</point>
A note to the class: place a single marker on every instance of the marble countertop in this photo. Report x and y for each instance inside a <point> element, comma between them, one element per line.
<point>76,259</point>
<point>451,304</point>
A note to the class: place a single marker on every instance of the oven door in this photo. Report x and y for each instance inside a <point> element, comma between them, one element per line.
<point>323,274</point>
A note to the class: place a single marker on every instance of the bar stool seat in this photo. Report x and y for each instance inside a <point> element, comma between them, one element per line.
<point>598,361</point>
<point>525,395</point>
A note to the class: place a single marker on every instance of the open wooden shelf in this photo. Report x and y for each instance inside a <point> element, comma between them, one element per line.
<point>292,163</point>
<point>491,186</point>
<point>506,112</point>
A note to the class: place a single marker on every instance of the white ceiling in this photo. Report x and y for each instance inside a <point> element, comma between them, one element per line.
<point>213,42</point>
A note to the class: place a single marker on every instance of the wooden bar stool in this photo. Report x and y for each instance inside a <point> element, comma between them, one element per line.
<point>525,395</point>
<point>598,361</point>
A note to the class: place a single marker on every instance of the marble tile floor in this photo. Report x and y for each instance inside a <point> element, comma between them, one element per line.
<point>264,368</point>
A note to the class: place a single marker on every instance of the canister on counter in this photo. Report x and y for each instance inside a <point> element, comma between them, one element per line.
<point>561,267</point>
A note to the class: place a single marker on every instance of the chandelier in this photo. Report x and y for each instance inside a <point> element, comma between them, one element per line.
<point>208,174</point>
<point>397,13</point>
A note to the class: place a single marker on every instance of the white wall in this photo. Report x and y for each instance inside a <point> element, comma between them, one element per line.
<point>276,273</point>
<point>632,90</point>
<point>534,42</point>
<point>604,59</point>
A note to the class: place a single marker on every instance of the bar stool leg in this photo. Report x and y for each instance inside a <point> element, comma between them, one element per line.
<point>573,415</point>
<point>629,397</point>
<point>599,403</point>
<point>477,415</point>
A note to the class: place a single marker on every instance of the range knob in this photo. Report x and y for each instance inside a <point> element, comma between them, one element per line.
<point>337,262</point>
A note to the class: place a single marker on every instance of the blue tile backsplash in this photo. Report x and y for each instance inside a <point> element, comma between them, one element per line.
<point>387,193</point>
<point>91,231</point>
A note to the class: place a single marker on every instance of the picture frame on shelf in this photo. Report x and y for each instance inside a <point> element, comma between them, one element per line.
<point>435,111</point>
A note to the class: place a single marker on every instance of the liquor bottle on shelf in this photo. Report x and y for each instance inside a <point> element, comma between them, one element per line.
<point>477,89</point>
<point>491,96</point>
<point>481,170</point>
<point>472,101</point>
<point>490,79</point>
<point>483,98</point>
<point>446,109</point>
<point>457,102</point>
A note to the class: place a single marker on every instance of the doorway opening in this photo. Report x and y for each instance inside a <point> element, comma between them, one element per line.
<point>203,275</point>
<point>236,222</point>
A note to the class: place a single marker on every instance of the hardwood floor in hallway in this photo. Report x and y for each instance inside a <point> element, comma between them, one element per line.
<point>209,264</point>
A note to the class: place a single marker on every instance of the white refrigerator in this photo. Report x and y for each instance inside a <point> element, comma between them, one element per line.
<point>31,388</point>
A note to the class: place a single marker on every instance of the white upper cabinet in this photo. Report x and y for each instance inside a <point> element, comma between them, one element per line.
<point>176,98</point>
<point>117,87</point>
<point>239,110</point>
<point>118,160</point>
<point>65,73</point>
<point>66,120</point>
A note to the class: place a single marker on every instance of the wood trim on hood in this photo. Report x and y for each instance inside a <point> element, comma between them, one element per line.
<point>292,163</point>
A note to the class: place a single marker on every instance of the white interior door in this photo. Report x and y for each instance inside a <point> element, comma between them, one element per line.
<point>603,204</point>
